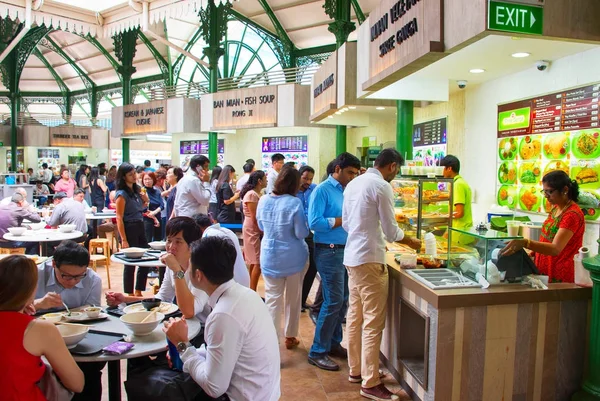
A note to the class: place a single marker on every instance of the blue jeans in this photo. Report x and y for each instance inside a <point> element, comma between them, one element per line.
<point>334,284</point>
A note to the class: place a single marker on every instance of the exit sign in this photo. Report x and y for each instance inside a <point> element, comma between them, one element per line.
<point>518,18</point>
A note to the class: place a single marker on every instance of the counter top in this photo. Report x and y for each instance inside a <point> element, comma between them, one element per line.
<point>494,295</point>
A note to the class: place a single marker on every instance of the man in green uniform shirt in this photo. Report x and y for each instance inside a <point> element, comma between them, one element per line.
<point>462,218</point>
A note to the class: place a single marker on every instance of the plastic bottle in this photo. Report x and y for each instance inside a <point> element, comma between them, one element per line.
<point>430,244</point>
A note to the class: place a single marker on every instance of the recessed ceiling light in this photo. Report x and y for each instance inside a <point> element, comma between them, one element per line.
<point>338,112</point>
<point>329,116</point>
<point>477,71</point>
<point>352,107</point>
<point>380,108</point>
<point>520,55</point>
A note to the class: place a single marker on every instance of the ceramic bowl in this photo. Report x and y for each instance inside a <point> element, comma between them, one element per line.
<point>133,252</point>
<point>133,322</point>
<point>72,334</point>
<point>158,245</point>
<point>92,312</point>
<point>17,230</point>
<point>37,226</point>
<point>53,317</point>
<point>66,228</point>
<point>150,303</point>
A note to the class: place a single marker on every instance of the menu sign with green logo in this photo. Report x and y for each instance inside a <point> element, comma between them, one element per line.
<point>557,131</point>
<point>518,18</point>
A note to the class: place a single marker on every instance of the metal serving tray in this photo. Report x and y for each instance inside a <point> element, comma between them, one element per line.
<point>442,279</point>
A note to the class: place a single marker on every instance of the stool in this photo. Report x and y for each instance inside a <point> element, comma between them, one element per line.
<point>12,251</point>
<point>104,257</point>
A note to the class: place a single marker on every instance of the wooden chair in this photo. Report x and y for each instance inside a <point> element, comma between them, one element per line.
<point>103,258</point>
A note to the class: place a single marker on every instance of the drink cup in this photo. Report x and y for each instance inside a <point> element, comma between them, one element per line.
<point>512,227</point>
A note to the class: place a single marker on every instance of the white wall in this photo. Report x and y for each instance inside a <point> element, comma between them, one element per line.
<point>479,155</point>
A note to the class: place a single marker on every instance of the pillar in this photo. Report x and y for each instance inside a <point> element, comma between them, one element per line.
<point>340,139</point>
<point>125,48</point>
<point>590,390</point>
<point>404,128</point>
<point>15,107</point>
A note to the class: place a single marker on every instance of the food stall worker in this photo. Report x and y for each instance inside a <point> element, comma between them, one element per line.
<point>68,279</point>
<point>461,218</point>
<point>562,232</point>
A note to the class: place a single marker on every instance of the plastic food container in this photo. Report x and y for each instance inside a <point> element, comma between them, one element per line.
<point>408,261</point>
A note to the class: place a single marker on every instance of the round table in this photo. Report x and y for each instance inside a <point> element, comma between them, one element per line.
<point>41,236</point>
<point>91,216</point>
<point>149,263</point>
<point>145,345</point>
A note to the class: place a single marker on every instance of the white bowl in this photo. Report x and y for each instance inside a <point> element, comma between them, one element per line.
<point>66,228</point>
<point>72,334</point>
<point>158,245</point>
<point>133,252</point>
<point>93,311</point>
<point>132,321</point>
<point>36,226</point>
<point>52,317</point>
<point>17,230</point>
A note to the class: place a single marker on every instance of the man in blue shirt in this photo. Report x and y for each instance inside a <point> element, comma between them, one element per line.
<point>307,187</point>
<point>325,219</point>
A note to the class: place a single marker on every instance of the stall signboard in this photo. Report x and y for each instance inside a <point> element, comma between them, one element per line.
<point>517,18</point>
<point>324,88</point>
<point>71,137</point>
<point>293,148</point>
<point>402,33</point>
<point>558,131</point>
<point>199,147</point>
<point>145,118</point>
<point>245,108</point>
<point>429,141</point>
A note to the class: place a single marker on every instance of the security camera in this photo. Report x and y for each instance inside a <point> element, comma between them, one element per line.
<point>461,84</point>
<point>542,65</point>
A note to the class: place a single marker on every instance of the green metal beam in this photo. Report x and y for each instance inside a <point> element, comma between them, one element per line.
<point>314,50</point>
<point>236,57</point>
<point>82,109</point>
<point>283,36</point>
<point>61,84</point>
<point>90,85</point>
<point>246,20</point>
<point>109,100</point>
<point>160,60</point>
<point>360,16</point>
<point>169,61</point>
<point>181,58</point>
<point>106,54</point>
<point>143,93</point>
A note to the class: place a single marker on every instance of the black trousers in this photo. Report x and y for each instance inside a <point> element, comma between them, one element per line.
<point>311,273</point>
<point>92,390</point>
<point>136,237</point>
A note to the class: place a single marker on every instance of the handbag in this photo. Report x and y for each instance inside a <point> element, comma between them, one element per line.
<point>52,388</point>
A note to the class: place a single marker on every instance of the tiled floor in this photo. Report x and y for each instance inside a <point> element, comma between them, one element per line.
<point>299,380</point>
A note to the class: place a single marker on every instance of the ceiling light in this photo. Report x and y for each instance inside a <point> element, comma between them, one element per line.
<point>380,108</point>
<point>329,116</point>
<point>338,112</point>
<point>477,71</point>
<point>521,55</point>
<point>352,107</point>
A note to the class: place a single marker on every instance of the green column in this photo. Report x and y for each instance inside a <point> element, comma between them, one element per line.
<point>15,106</point>
<point>125,48</point>
<point>590,390</point>
<point>404,128</point>
<point>125,142</point>
<point>340,139</point>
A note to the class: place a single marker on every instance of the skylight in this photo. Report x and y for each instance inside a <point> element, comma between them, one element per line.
<point>92,5</point>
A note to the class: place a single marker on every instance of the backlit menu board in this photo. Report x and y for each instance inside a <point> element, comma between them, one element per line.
<point>430,133</point>
<point>199,147</point>
<point>276,144</point>
<point>558,131</point>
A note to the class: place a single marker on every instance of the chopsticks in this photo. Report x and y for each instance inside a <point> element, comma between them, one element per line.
<point>151,314</point>
<point>75,324</point>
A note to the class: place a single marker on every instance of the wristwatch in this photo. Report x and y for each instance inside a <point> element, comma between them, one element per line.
<point>180,274</point>
<point>182,347</point>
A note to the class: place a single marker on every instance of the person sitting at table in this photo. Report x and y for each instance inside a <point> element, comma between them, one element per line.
<point>181,232</point>
<point>67,280</point>
<point>241,357</point>
<point>69,211</point>
<point>25,339</point>
<point>41,191</point>
<point>210,228</point>
<point>12,215</point>
<point>79,196</point>
<point>23,192</point>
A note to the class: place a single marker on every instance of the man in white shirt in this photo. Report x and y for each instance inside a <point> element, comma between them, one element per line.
<point>210,228</point>
<point>193,190</point>
<point>368,217</point>
<point>241,356</point>
<point>181,232</point>
<point>277,161</point>
<point>248,169</point>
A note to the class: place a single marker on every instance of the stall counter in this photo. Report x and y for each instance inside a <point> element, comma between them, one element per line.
<point>507,342</point>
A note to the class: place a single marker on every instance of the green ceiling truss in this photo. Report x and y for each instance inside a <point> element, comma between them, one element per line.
<point>181,58</point>
<point>115,64</point>
<point>281,33</point>
<point>160,60</point>
<point>169,60</point>
<point>64,89</point>
<point>360,16</point>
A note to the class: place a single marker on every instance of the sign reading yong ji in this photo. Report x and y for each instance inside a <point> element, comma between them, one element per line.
<point>146,118</point>
<point>71,137</point>
<point>401,33</point>
<point>245,108</point>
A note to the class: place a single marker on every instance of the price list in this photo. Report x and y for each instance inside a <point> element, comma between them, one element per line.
<point>430,133</point>
<point>199,147</point>
<point>285,144</point>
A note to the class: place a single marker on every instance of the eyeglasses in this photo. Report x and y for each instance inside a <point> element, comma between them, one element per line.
<point>70,277</point>
<point>548,192</point>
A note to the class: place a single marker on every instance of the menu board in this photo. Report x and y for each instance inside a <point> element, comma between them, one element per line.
<point>49,156</point>
<point>429,141</point>
<point>293,148</point>
<point>199,147</point>
<point>552,132</point>
<point>20,160</point>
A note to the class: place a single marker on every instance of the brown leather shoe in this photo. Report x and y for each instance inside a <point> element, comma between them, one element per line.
<point>339,352</point>
<point>378,393</point>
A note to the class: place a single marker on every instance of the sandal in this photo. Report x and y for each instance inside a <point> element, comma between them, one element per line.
<point>291,342</point>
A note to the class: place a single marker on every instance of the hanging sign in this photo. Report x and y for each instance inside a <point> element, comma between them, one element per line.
<point>71,137</point>
<point>145,118</point>
<point>324,88</point>
<point>245,108</point>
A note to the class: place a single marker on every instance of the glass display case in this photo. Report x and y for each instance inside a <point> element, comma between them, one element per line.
<point>484,258</point>
<point>424,205</point>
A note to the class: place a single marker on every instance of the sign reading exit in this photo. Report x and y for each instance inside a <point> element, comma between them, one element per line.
<point>512,17</point>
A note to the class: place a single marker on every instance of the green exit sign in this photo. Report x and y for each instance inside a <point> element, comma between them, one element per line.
<point>518,18</point>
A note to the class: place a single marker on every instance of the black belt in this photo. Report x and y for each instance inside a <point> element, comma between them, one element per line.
<point>330,246</point>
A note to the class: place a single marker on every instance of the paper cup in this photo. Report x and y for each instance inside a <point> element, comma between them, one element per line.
<point>512,227</point>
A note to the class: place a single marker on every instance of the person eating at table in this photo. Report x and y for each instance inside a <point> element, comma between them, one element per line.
<point>25,339</point>
<point>68,211</point>
<point>67,280</point>
<point>12,215</point>
<point>41,191</point>
<point>181,232</point>
<point>23,193</point>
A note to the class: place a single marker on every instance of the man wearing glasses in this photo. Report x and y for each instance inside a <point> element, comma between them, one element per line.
<point>68,279</point>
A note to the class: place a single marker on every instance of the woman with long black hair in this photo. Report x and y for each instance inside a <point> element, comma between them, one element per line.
<point>98,193</point>
<point>130,203</point>
<point>225,196</point>
<point>213,208</point>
